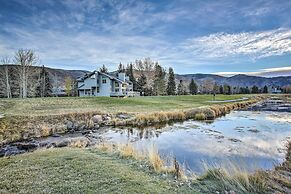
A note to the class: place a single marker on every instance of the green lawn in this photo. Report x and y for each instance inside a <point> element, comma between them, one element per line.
<point>69,170</point>
<point>54,106</point>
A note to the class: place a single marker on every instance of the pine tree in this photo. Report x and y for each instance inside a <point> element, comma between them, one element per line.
<point>226,89</point>
<point>159,81</point>
<point>265,89</point>
<point>44,86</point>
<point>255,89</point>
<point>103,69</point>
<point>129,73</point>
<point>193,87</point>
<point>121,68</point>
<point>171,87</point>
<point>181,88</point>
<point>141,83</point>
<point>247,90</point>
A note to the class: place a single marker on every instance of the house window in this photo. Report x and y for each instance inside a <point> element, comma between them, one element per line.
<point>117,90</point>
<point>98,89</point>
<point>93,90</point>
<point>104,80</point>
<point>87,92</point>
<point>93,76</point>
<point>124,85</point>
<point>116,84</point>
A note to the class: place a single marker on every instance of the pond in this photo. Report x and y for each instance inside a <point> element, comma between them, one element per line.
<point>250,140</point>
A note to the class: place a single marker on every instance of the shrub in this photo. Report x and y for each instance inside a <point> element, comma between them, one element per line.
<point>200,116</point>
<point>155,159</point>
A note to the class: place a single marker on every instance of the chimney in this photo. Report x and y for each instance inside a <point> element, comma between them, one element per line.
<point>121,76</point>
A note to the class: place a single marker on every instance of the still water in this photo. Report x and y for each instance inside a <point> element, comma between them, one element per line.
<point>250,140</point>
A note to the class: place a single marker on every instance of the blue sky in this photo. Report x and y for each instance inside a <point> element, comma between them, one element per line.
<point>206,36</point>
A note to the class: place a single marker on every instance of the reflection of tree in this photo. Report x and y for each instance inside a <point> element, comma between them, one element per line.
<point>141,131</point>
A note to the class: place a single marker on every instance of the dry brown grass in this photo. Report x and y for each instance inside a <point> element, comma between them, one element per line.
<point>126,150</point>
<point>235,178</point>
<point>159,117</point>
<point>149,154</point>
<point>155,159</point>
<point>200,116</point>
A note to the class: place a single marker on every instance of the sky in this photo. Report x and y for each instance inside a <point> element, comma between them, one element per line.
<point>192,36</point>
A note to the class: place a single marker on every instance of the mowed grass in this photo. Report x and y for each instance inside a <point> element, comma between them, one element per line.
<point>71,170</point>
<point>63,105</point>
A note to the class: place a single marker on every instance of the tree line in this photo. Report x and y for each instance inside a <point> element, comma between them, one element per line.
<point>21,76</point>
<point>23,79</point>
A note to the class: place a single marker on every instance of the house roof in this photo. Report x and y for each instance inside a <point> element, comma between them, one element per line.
<point>110,76</point>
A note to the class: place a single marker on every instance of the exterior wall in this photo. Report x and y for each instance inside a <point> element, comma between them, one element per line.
<point>105,88</point>
<point>89,86</point>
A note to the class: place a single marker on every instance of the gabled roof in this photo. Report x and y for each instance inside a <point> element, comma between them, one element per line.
<point>86,76</point>
<point>112,77</point>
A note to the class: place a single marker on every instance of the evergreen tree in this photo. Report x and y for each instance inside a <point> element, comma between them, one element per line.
<point>171,87</point>
<point>141,83</point>
<point>103,69</point>
<point>255,89</point>
<point>193,87</point>
<point>247,90</point>
<point>121,68</point>
<point>44,86</point>
<point>181,90</point>
<point>226,89</point>
<point>159,81</point>
<point>265,89</point>
<point>129,73</point>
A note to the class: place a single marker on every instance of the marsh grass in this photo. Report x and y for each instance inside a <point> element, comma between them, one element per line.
<point>235,178</point>
<point>148,154</point>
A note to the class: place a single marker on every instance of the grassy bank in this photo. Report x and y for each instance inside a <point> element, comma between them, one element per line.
<point>70,170</point>
<point>76,170</point>
<point>65,105</point>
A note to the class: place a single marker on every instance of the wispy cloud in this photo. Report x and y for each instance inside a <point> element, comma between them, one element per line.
<point>269,72</point>
<point>252,44</point>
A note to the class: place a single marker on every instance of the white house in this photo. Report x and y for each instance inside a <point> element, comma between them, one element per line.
<point>276,90</point>
<point>105,84</point>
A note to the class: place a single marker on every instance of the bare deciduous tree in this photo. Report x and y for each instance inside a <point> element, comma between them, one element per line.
<point>24,59</point>
<point>56,85</point>
<point>5,77</point>
<point>207,86</point>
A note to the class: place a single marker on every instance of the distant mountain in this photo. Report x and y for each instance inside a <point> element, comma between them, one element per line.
<point>238,80</point>
<point>61,74</point>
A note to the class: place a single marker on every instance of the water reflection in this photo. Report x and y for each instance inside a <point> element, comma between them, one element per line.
<point>251,139</point>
